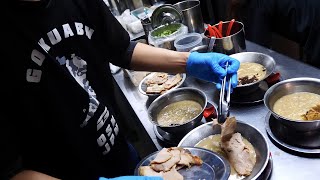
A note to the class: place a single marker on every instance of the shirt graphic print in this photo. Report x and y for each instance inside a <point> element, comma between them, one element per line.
<point>78,69</point>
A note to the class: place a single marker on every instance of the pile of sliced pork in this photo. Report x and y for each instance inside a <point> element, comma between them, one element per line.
<point>167,163</point>
<point>160,83</point>
<point>238,153</point>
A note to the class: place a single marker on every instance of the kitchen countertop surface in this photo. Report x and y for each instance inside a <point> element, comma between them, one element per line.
<point>286,165</point>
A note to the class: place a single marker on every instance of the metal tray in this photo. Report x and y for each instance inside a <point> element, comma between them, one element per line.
<point>135,76</point>
<point>214,166</point>
<point>280,136</point>
<point>143,86</point>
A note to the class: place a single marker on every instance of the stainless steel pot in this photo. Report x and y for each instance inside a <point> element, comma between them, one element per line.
<point>174,96</point>
<point>253,135</point>
<point>290,86</point>
<point>235,43</point>
<point>192,16</point>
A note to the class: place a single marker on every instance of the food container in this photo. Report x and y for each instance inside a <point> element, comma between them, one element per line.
<point>252,134</point>
<point>173,96</point>
<point>200,49</point>
<point>142,12</point>
<point>184,43</point>
<point>287,87</point>
<point>234,43</point>
<point>192,16</point>
<point>254,57</point>
<point>165,35</point>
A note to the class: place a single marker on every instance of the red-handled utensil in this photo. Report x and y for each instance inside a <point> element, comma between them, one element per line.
<point>219,35</point>
<point>273,78</point>
<point>210,30</point>
<point>210,112</point>
<point>220,27</point>
<point>230,27</point>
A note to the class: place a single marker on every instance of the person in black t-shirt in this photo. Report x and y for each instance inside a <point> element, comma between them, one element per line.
<point>58,118</point>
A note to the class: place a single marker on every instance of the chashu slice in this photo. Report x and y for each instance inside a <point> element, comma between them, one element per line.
<point>158,78</point>
<point>155,89</point>
<point>173,81</point>
<point>163,156</point>
<point>187,159</point>
<point>166,166</point>
<point>228,128</point>
<point>148,171</point>
<point>173,174</point>
<point>239,155</point>
<point>312,114</point>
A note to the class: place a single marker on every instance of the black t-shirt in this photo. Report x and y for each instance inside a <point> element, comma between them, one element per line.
<point>59,113</point>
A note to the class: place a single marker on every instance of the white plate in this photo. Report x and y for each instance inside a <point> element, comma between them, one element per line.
<point>143,86</point>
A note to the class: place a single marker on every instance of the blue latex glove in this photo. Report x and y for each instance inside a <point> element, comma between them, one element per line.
<point>210,67</point>
<point>133,178</point>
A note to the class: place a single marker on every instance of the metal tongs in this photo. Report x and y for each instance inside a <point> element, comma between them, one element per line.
<point>224,101</point>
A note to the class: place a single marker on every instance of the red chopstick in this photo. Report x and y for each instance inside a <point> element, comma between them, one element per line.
<point>230,27</point>
<point>210,30</point>
<point>220,27</point>
<point>219,35</point>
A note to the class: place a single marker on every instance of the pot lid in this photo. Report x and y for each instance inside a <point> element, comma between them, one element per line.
<point>165,14</point>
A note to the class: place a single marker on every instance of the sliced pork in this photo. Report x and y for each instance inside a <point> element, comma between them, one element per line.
<point>167,163</point>
<point>187,159</point>
<point>237,151</point>
<point>148,171</point>
<point>173,174</point>
<point>172,81</point>
<point>163,156</point>
<point>166,166</point>
<point>312,114</point>
<point>158,78</point>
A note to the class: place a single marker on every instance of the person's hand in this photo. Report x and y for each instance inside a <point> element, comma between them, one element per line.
<point>211,67</point>
<point>133,178</point>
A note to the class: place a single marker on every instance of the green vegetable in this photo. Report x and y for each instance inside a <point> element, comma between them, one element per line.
<point>166,30</point>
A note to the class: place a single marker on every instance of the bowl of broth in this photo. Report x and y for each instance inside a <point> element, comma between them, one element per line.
<point>208,137</point>
<point>179,110</point>
<point>296,103</point>
<point>254,68</point>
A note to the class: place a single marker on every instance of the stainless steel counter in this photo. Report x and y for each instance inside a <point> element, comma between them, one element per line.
<point>285,165</point>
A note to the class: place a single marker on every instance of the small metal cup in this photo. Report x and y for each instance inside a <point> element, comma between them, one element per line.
<point>232,44</point>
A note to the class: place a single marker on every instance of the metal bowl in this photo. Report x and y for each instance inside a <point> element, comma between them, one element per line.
<point>290,86</point>
<point>253,135</point>
<point>174,96</point>
<point>255,57</point>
